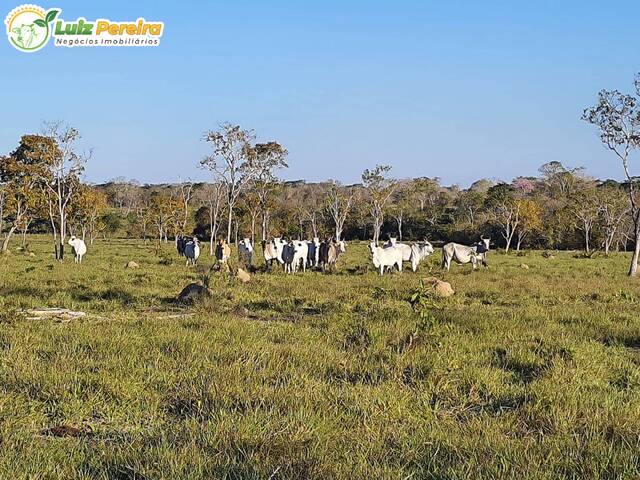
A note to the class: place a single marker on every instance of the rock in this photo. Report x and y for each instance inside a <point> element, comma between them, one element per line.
<point>132,264</point>
<point>60,314</point>
<point>524,266</point>
<point>31,254</point>
<point>193,291</point>
<point>440,288</point>
<point>443,289</point>
<point>243,276</point>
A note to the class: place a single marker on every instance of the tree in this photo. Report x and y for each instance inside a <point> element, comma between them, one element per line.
<point>338,204</point>
<point>163,210</point>
<point>60,176</point>
<point>211,196</point>
<point>379,188</point>
<point>586,210</point>
<point>504,211</point>
<point>86,210</point>
<point>617,117</point>
<point>613,206</point>
<point>269,157</point>
<point>468,204</point>
<point>530,219</point>
<point>232,163</point>
<point>186,193</point>
<point>402,203</point>
<point>125,193</point>
<point>19,175</point>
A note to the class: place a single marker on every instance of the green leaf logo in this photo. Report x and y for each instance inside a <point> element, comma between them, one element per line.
<point>51,15</point>
<point>39,22</point>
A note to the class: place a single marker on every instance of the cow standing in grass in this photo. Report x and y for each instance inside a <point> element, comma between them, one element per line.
<point>245,252</point>
<point>192,252</point>
<point>464,254</point>
<point>384,258</point>
<point>272,251</point>
<point>413,253</point>
<point>79,248</point>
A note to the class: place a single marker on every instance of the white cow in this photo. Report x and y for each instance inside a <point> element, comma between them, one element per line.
<point>465,254</point>
<point>79,248</point>
<point>300,255</point>
<point>192,252</point>
<point>385,257</point>
<point>413,253</point>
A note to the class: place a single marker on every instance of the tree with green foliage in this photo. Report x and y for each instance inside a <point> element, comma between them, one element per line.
<point>232,163</point>
<point>617,117</point>
<point>379,188</point>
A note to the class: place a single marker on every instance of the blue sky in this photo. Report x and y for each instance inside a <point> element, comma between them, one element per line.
<point>459,90</point>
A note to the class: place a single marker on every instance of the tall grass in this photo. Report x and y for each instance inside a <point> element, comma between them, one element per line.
<point>521,374</point>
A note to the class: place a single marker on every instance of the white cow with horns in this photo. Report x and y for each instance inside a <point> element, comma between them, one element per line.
<point>464,254</point>
<point>413,253</point>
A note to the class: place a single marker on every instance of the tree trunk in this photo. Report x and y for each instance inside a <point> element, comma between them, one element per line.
<point>264,226</point>
<point>633,269</point>
<point>211,236</point>
<point>229,221</point>
<point>5,243</point>
<point>24,233</point>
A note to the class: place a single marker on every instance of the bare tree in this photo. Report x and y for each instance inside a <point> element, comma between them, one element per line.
<point>186,193</point>
<point>379,189</point>
<point>617,117</point>
<point>338,205</point>
<point>613,207</point>
<point>61,176</point>
<point>269,157</point>
<point>125,193</point>
<point>231,163</point>
<point>211,196</point>
<point>585,208</point>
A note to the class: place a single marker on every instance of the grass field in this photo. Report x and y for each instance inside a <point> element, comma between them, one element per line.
<point>523,373</point>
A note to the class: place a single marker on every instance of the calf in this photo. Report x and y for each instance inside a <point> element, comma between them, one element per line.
<point>287,256</point>
<point>192,252</point>
<point>79,248</point>
<point>301,254</point>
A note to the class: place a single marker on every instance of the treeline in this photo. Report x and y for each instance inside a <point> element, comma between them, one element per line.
<point>562,208</point>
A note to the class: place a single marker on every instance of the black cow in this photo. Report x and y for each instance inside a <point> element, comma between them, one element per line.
<point>288,252</point>
<point>181,243</point>
<point>311,255</point>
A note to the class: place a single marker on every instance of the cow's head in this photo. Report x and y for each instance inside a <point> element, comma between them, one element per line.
<point>427,247</point>
<point>393,241</point>
<point>342,246</point>
<point>26,34</point>
<point>485,242</point>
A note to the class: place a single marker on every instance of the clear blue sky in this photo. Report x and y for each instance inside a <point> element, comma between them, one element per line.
<point>460,90</point>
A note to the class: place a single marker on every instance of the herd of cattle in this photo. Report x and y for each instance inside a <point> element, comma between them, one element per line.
<point>302,254</point>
